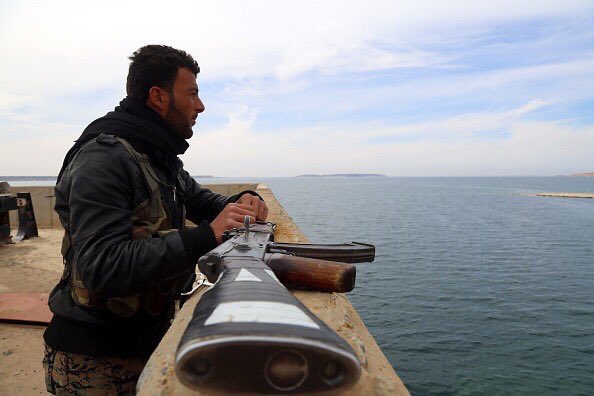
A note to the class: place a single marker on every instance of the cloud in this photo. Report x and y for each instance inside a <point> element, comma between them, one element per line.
<point>530,148</point>
<point>80,45</point>
<point>237,149</point>
<point>312,86</point>
<point>462,126</point>
<point>26,151</point>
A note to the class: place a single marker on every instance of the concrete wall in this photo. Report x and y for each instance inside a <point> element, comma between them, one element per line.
<point>43,206</point>
<point>43,201</point>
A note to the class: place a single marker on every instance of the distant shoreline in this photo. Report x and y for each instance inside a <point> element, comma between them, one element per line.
<point>311,175</point>
<point>343,175</point>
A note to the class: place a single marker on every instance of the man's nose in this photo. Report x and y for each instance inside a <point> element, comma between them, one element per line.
<point>199,106</point>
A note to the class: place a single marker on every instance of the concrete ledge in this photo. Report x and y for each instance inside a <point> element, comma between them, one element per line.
<point>377,378</point>
<point>43,201</point>
<point>43,206</point>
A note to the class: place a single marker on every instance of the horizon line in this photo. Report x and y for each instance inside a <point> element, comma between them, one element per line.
<point>345,175</point>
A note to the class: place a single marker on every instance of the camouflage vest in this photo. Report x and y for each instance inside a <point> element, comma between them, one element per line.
<point>149,220</point>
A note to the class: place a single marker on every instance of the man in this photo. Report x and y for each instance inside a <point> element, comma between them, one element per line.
<point>123,196</point>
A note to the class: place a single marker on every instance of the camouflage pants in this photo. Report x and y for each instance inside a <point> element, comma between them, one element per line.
<point>73,374</point>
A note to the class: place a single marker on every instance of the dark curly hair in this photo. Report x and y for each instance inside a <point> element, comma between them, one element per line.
<point>156,65</point>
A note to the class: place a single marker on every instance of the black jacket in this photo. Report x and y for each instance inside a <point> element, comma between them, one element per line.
<point>95,195</point>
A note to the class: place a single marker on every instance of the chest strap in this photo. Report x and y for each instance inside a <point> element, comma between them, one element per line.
<point>149,175</point>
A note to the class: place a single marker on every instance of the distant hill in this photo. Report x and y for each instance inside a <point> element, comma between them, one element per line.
<point>344,175</point>
<point>587,174</point>
<point>203,176</point>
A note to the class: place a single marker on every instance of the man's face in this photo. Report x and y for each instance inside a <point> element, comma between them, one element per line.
<point>185,103</point>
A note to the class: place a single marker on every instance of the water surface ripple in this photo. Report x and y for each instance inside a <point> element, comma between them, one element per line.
<point>478,287</point>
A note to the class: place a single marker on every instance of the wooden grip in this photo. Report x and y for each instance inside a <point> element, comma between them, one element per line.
<point>303,272</point>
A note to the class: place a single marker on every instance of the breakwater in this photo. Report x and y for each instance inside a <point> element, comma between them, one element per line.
<point>565,195</point>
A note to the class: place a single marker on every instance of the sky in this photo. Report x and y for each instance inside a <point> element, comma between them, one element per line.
<point>423,88</point>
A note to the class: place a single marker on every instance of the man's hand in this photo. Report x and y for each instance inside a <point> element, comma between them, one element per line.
<point>231,216</point>
<point>258,206</point>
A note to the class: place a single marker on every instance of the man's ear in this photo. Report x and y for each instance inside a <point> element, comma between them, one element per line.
<point>158,100</point>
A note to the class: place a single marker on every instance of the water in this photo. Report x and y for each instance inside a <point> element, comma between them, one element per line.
<point>478,286</point>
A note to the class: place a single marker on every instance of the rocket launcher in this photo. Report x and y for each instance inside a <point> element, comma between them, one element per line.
<point>249,334</point>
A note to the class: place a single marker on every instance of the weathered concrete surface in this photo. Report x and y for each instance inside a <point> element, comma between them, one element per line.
<point>33,265</point>
<point>43,206</point>
<point>378,376</point>
<point>566,195</point>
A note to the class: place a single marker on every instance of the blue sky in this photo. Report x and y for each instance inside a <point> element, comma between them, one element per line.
<point>457,88</point>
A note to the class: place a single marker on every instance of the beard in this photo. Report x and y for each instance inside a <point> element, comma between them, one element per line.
<point>178,121</point>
